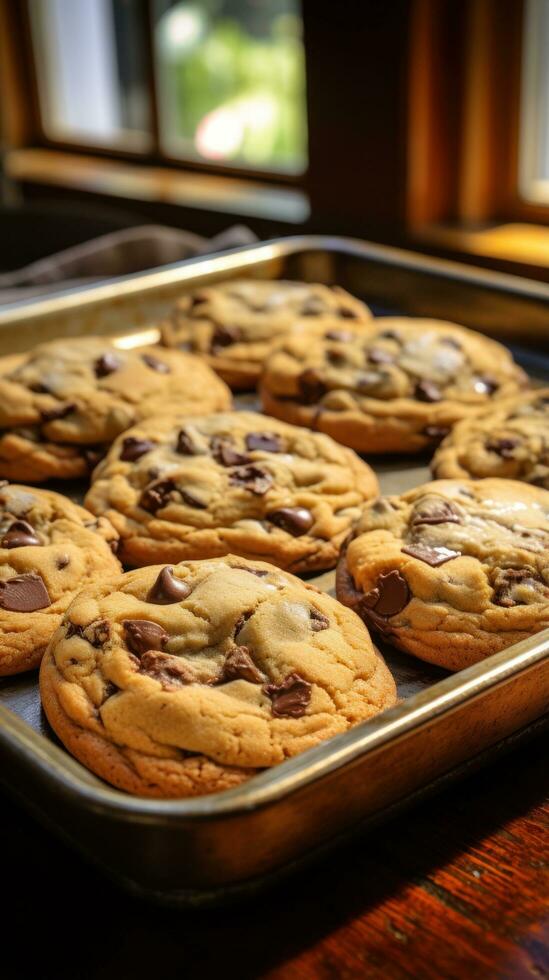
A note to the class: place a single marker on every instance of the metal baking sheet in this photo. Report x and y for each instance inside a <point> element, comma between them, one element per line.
<point>215,848</point>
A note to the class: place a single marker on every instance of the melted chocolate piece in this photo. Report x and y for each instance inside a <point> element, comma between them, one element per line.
<point>294,520</point>
<point>437,432</point>
<point>318,620</point>
<point>259,572</point>
<point>24,593</point>
<point>20,535</point>
<point>192,501</point>
<point>433,556</point>
<point>390,335</point>
<point>311,386</point>
<point>185,445</point>
<point>142,635</point>
<point>168,589</point>
<point>223,336</point>
<point>379,356</point>
<point>435,512</point>
<point>164,667</point>
<point>224,452</point>
<point>115,546</point>
<point>106,364</point>
<point>267,442</point>
<point>96,633</point>
<point>252,478</point>
<point>503,447</point>
<point>157,495</point>
<point>346,313</point>
<point>336,358</point>
<point>52,414</point>
<point>93,457</point>
<point>239,665</point>
<point>243,619</point>
<point>485,386</point>
<point>133,448</point>
<point>110,689</point>
<point>451,342</point>
<point>63,560</point>
<point>155,364</point>
<point>390,595</point>
<point>343,336</point>
<point>503,583</point>
<point>290,698</point>
<point>427,391</point>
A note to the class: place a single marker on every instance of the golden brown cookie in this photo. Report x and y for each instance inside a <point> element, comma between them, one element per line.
<point>234,323</point>
<point>510,439</point>
<point>395,385</point>
<point>238,482</point>
<point>65,401</point>
<point>452,571</point>
<point>182,681</point>
<point>49,549</point>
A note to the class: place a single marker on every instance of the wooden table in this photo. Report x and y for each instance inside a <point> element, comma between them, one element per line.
<point>455,888</point>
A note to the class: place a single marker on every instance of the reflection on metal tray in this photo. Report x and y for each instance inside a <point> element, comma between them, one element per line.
<point>214,848</point>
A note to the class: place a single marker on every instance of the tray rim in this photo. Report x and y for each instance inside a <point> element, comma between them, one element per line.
<point>441,698</point>
<point>276,248</point>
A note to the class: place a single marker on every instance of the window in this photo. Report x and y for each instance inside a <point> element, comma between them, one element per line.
<point>229,77</point>
<point>534,131</point>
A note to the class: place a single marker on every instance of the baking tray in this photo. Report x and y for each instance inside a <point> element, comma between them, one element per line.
<point>217,848</point>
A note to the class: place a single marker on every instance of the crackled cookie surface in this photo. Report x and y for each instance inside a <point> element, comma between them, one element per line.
<point>398,384</point>
<point>64,402</point>
<point>179,681</point>
<point>49,549</point>
<point>233,324</point>
<point>510,439</point>
<point>452,571</point>
<point>178,488</point>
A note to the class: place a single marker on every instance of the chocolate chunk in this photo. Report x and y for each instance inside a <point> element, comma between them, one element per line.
<point>290,698</point>
<point>259,572</point>
<point>24,593</point>
<point>336,358</point>
<point>96,633</point>
<point>224,452</point>
<point>133,448</point>
<point>379,356</point>
<point>185,445</point>
<point>390,595</point>
<point>164,667</point>
<point>503,447</point>
<point>312,307</point>
<point>142,635</point>
<point>157,495</point>
<point>239,665</point>
<point>437,511</point>
<point>504,581</point>
<point>192,501</point>
<point>318,620</point>
<point>436,431</point>
<point>267,442</point>
<point>20,535</point>
<point>311,386</point>
<point>252,478</point>
<point>343,336</point>
<point>93,457</point>
<point>433,556</point>
<point>223,336</point>
<point>243,619</point>
<point>485,386</point>
<point>294,520</point>
<point>168,589</point>
<point>451,342</point>
<point>110,689</point>
<point>427,391</point>
<point>155,364</point>
<point>61,412</point>
<point>390,335</point>
<point>346,313</point>
<point>39,388</point>
<point>106,364</point>
<point>115,546</point>
<point>63,560</point>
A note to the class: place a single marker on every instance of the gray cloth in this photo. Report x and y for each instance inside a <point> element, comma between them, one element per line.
<point>113,255</point>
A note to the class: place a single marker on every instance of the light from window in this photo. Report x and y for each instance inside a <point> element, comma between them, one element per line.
<point>90,61</point>
<point>231,82</point>
<point>534,135</point>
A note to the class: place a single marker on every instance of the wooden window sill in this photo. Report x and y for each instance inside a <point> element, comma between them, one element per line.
<point>525,244</point>
<point>230,195</point>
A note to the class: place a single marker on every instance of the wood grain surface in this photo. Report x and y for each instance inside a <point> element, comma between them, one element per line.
<point>456,888</point>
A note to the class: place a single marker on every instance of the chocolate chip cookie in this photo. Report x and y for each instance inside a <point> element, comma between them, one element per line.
<point>64,402</point>
<point>452,571</point>
<point>234,323</point>
<point>180,681</point>
<point>177,488</point>
<point>49,549</point>
<point>510,439</point>
<point>396,385</point>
